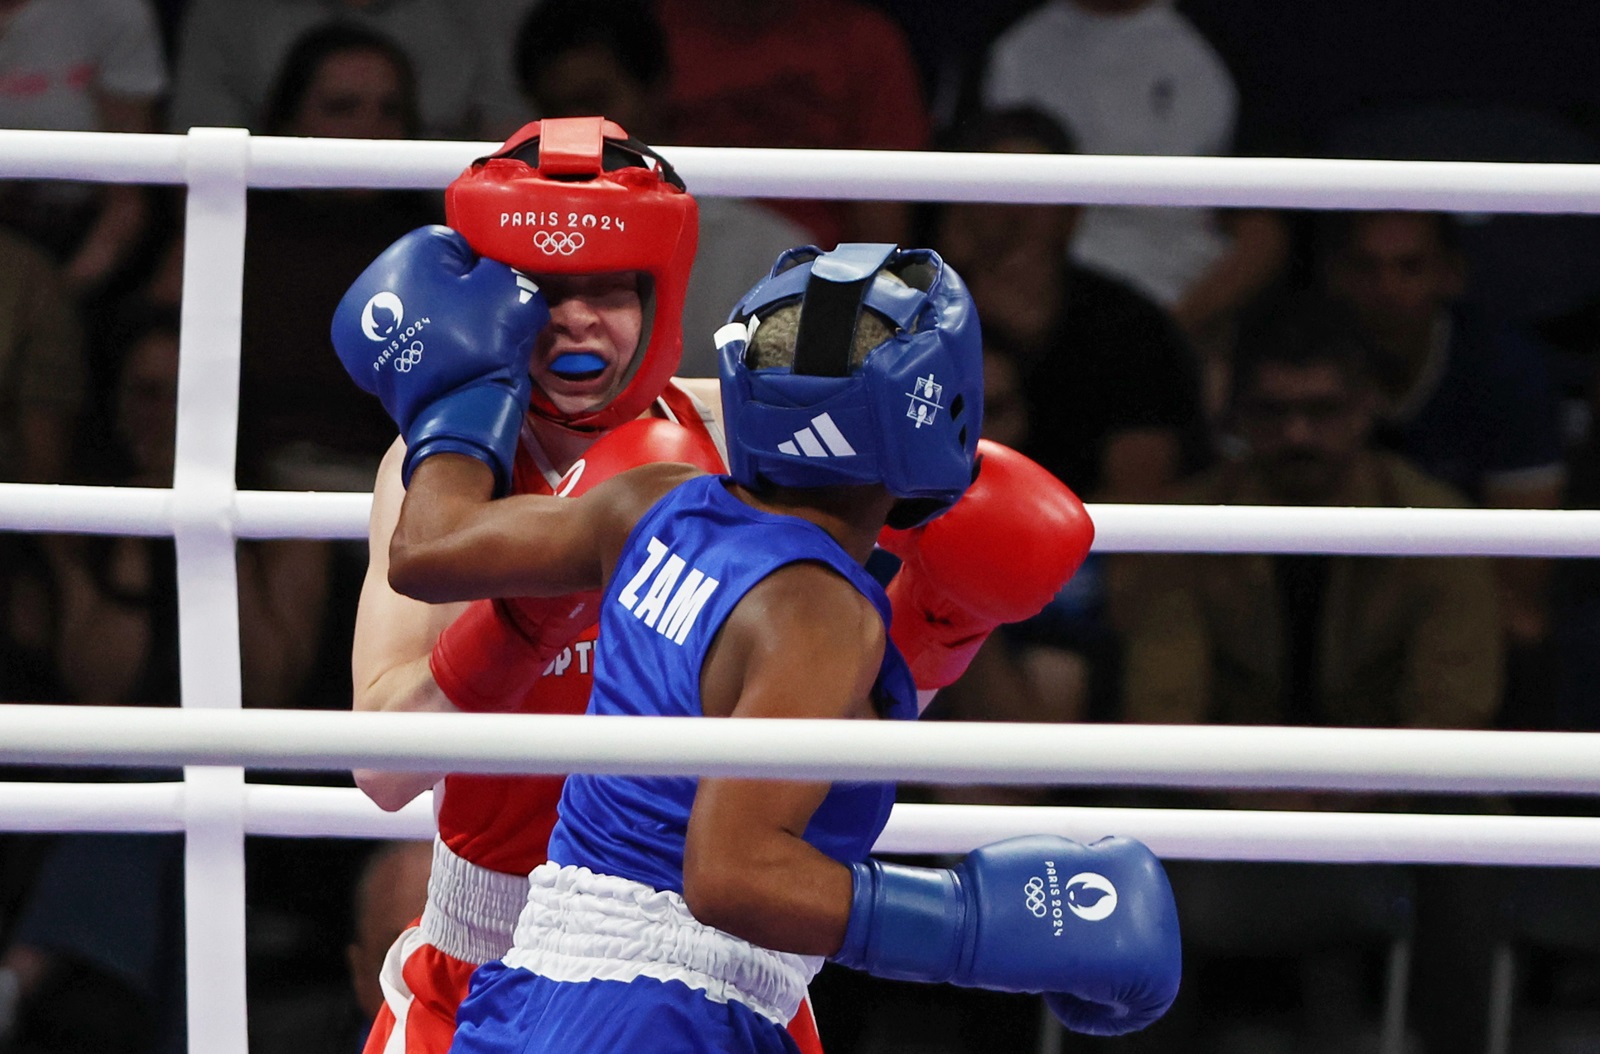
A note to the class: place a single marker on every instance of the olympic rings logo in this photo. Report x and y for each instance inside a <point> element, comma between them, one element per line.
<point>409,356</point>
<point>564,243</point>
<point>1033,896</point>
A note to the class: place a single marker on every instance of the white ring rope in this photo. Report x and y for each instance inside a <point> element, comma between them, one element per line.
<point>1118,528</point>
<point>148,511</point>
<point>1305,183</point>
<point>1339,759</point>
<point>1179,834</point>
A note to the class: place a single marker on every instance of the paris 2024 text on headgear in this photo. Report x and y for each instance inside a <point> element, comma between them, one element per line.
<point>578,195</point>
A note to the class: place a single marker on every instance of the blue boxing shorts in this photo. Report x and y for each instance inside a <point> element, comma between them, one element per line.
<point>605,964</point>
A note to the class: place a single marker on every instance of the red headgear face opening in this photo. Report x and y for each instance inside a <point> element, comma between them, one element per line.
<point>569,214</point>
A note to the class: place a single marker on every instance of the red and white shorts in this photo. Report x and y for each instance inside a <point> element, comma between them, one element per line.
<point>470,918</point>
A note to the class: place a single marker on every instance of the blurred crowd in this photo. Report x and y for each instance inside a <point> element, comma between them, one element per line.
<point>1177,355</point>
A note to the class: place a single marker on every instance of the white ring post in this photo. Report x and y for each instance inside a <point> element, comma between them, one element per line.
<point>208,595</point>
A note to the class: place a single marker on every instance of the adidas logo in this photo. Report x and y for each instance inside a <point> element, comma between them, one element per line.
<point>526,287</point>
<point>825,441</point>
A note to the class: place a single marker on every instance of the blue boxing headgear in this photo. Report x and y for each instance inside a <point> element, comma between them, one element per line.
<point>907,417</point>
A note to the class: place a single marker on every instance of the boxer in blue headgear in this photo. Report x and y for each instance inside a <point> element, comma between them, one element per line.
<point>686,915</point>
<point>914,407</point>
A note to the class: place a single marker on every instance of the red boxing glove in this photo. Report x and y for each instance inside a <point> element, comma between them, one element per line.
<point>490,657</point>
<point>1000,554</point>
<point>642,442</point>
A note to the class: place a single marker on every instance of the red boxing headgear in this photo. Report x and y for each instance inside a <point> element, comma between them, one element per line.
<point>592,200</point>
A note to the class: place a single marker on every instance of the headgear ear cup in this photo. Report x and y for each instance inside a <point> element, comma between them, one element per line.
<point>908,417</point>
<point>595,201</point>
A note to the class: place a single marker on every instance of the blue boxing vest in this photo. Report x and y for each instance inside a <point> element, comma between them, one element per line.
<point>685,566</point>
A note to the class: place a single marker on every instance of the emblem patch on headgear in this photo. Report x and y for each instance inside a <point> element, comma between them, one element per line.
<point>924,401</point>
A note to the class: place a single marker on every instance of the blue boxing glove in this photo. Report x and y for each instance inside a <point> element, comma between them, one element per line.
<point>1094,926</point>
<point>442,337</point>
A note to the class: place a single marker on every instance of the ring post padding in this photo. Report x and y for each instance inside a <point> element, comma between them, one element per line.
<point>203,508</point>
<point>208,594</point>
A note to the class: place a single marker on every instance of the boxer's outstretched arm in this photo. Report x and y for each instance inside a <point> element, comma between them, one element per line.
<point>490,658</point>
<point>400,641</point>
<point>394,636</point>
<point>453,542</point>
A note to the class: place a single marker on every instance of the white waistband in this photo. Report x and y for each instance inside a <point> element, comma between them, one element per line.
<point>472,911</point>
<point>580,926</point>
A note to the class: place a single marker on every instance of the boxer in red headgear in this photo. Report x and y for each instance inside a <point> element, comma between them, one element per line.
<point>577,196</point>
<point>574,217</point>
<point>601,227</point>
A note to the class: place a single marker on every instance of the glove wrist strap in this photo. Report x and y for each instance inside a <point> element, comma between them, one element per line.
<point>906,923</point>
<point>483,421</point>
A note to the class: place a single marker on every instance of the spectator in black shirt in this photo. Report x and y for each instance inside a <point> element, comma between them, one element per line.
<point>1107,397</point>
<point>1112,387</point>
